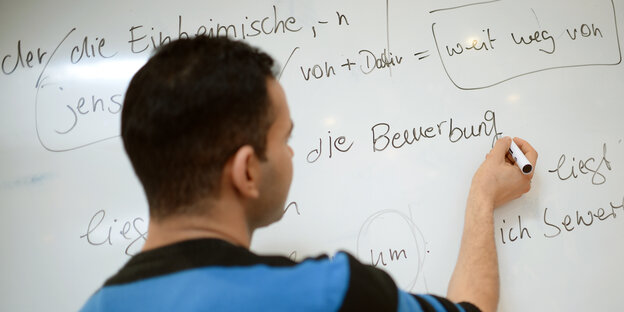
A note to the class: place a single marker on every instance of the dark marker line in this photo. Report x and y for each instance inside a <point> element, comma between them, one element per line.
<point>285,64</point>
<point>52,55</point>
<point>425,280</point>
<point>388,35</point>
<point>462,6</point>
<point>322,22</point>
<point>422,57</point>
<point>538,23</point>
<point>617,34</point>
<point>292,204</point>
<point>70,128</point>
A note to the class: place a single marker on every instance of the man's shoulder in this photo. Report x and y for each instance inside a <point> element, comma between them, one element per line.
<point>189,255</point>
<point>214,274</point>
<point>225,277</point>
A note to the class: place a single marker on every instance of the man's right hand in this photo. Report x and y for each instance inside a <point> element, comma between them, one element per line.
<point>498,180</point>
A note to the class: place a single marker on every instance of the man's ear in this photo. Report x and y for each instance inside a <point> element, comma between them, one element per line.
<point>246,172</point>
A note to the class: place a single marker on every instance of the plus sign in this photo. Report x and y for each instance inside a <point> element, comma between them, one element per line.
<point>348,64</point>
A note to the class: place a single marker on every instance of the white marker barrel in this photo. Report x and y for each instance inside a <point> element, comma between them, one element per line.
<point>521,161</point>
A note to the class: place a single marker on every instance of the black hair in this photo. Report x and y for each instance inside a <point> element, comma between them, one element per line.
<point>187,111</point>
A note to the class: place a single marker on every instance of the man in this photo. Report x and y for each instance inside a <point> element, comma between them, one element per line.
<point>206,127</point>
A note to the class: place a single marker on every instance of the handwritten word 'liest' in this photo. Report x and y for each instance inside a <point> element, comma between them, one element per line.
<point>131,231</point>
<point>566,170</point>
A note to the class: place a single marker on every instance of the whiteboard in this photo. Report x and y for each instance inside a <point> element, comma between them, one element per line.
<point>395,104</point>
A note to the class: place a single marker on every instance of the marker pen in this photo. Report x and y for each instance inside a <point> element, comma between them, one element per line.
<point>521,161</point>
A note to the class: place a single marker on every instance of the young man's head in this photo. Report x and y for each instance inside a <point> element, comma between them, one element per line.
<point>205,114</point>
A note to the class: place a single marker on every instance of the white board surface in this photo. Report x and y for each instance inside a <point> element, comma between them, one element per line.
<point>395,104</point>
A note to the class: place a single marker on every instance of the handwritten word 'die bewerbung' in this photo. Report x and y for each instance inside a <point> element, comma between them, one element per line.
<point>589,166</point>
<point>384,138</point>
<point>101,231</point>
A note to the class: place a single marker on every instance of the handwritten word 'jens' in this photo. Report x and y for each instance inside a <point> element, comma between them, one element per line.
<point>95,105</point>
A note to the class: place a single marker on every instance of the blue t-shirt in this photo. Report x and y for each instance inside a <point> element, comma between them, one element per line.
<point>214,275</point>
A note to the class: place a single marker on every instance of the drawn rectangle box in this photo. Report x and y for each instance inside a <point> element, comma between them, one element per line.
<point>486,44</point>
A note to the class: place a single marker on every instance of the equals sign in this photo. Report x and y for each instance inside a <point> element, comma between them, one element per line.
<point>422,55</point>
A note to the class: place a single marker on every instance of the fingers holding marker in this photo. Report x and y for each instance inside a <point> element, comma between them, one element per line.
<point>501,147</point>
<point>498,179</point>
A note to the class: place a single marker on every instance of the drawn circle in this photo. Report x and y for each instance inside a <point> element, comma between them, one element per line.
<point>390,240</point>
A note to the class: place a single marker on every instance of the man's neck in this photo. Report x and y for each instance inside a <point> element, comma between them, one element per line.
<point>227,224</point>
